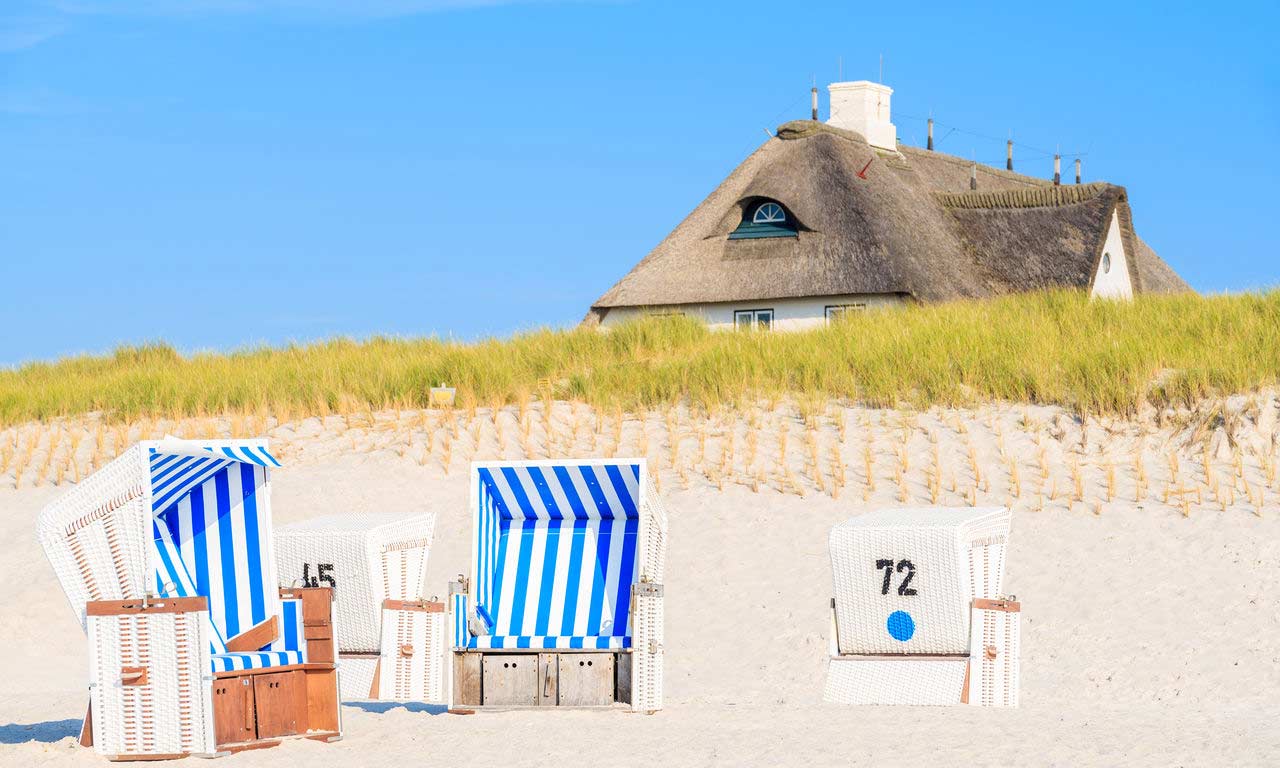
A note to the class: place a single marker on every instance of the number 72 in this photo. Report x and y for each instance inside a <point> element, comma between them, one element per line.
<point>889,568</point>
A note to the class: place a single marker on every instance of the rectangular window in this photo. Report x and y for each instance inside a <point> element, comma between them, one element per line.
<point>836,311</point>
<point>759,319</point>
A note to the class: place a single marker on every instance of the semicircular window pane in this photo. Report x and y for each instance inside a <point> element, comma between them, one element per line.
<point>769,213</point>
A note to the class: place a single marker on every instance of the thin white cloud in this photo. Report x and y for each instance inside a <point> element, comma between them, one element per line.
<point>291,8</point>
<point>20,34</point>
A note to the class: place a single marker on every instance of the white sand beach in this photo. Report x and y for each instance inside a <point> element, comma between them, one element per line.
<point>1146,554</point>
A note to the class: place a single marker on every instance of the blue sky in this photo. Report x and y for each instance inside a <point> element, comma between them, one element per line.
<point>219,173</point>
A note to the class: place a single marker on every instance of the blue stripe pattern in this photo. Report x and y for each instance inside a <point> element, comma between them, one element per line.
<point>231,662</point>
<point>174,475</point>
<point>461,636</point>
<point>555,555</point>
<point>550,641</point>
<point>292,636</point>
<point>212,539</point>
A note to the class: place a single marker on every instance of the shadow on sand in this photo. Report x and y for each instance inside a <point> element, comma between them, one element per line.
<point>380,707</point>
<point>46,732</point>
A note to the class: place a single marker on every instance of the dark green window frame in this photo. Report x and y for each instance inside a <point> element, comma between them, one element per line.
<point>765,218</point>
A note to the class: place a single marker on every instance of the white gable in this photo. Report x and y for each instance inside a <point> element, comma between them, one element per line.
<point>1112,279</point>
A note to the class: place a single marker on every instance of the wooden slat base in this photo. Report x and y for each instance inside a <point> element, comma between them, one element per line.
<point>246,746</point>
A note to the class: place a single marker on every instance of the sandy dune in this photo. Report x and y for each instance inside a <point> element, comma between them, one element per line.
<point>1151,623</point>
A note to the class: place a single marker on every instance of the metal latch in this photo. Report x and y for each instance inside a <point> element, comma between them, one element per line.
<point>648,590</point>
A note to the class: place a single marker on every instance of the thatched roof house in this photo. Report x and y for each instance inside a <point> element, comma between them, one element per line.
<point>804,228</point>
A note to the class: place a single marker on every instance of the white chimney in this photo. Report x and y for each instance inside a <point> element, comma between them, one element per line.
<point>863,107</point>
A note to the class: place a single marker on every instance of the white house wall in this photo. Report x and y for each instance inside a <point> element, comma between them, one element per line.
<point>788,314</point>
<point>1114,283</point>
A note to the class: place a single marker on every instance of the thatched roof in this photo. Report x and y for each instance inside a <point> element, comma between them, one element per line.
<point>912,227</point>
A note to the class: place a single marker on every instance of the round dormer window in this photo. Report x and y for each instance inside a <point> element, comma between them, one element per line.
<point>1106,263</point>
<point>764,218</point>
<point>769,213</point>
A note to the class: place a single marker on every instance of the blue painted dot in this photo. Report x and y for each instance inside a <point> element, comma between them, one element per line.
<point>901,626</point>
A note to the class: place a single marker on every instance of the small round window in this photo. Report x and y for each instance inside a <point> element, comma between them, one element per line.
<point>1106,263</point>
<point>769,213</point>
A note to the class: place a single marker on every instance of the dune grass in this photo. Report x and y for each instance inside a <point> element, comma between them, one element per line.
<point>1053,348</point>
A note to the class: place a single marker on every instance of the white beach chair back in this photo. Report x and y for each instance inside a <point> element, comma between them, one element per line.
<point>904,579</point>
<point>366,558</point>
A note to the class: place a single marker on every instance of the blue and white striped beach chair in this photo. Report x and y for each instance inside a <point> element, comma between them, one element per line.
<point>166,556</point>
<point>567,559</point>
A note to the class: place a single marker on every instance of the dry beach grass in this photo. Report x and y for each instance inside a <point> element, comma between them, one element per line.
<point>1214,454</point>
<point>1048,349</point>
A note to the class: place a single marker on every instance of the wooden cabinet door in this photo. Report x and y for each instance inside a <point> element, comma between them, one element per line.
<point>466,679</point>
<point>322,700</point>
<point>510,679</point>
<point>586,679</point>
<point>281,700</point>
<point>233,710</point>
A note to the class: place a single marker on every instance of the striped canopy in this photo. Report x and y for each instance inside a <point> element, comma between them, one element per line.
<point>555,553</point>
<point>213,534</point>
<point>178,466</point>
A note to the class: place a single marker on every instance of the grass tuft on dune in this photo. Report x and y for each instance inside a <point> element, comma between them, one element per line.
<point>1058,348</point>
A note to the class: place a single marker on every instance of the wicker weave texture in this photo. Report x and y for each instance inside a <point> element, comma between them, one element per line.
<point>172,712</point>
<point>413,656</point>
<point>647,655</point>
<point>653,517</point>
<point>904,579</point>
<point>355,676</point>
<point>890,681</point>
<point>95,534</point>
<point>993,663</point>
<point>648,638</point>
<point>368,558</point>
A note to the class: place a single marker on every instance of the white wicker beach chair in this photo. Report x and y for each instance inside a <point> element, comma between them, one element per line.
<point>393,640</point>
<point>194,649</point>
<point>564,603</point>
<point>919,615</point>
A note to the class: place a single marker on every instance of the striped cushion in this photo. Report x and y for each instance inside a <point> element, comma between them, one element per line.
<point>526,641</point>
<point>555,555</point>
<point>231,662</point>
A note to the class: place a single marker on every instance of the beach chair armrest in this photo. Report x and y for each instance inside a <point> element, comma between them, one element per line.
<point>318,635</point>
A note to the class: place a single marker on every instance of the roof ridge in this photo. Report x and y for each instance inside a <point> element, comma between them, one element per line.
<point>1031,197</point>
<point>930,155</point>
<point>803,129</point>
